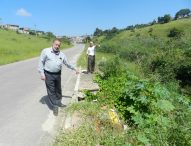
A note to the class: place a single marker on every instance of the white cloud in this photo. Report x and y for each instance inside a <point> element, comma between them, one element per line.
<point>23,12</point>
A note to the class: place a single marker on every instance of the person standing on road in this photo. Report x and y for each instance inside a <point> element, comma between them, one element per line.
<point>50,66</point>
<point>91,58</point>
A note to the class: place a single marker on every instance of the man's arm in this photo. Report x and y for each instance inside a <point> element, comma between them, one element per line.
<point>66,62</point>
<point>97,45</point>
<point>41,64</point>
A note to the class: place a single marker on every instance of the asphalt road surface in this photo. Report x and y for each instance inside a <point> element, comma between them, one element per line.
<point>25,118</point>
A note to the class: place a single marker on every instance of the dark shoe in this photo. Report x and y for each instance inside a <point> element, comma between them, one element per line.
<point>55,110</point>
<point>61,105</point>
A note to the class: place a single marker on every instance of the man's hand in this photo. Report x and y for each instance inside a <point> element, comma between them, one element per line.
<point>77,71</point>
<point>42,77</point>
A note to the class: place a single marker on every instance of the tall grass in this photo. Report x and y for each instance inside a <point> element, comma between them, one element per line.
<point>15,47</point>
<point>159,56</point>
<point>95,129</point>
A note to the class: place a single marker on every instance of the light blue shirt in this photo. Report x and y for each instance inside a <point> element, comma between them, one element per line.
<point>52,62</point>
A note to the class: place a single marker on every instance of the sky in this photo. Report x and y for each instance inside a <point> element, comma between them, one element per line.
<point>81,17</point>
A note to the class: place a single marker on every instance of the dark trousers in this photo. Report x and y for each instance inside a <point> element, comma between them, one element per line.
<point>91,63</point>
<point>53,86</point>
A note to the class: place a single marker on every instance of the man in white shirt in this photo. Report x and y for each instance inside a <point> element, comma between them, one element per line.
<point>91,58</point>
<point>50,66</point>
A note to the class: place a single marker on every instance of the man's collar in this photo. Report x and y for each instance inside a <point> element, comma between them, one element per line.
<point>57,52</point>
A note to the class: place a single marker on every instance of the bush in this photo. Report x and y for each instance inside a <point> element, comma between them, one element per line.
<point>107,48</point>
<point>184,74</point>
<point>175,33</point>
<point>155,114</point>
<point>112,67</point>
<point>168,64</point>
<point>136,56</point>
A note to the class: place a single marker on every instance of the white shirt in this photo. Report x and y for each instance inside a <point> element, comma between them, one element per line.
<point>91,51</point>
<point>52,62</point>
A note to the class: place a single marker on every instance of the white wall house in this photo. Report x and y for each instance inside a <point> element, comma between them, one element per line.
<point>12,27</point>
<point>23,30</point>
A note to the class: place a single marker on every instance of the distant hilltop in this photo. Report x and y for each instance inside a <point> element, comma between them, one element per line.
<point>23,30</point>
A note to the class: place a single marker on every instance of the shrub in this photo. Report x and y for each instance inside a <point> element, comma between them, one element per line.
<point>107,48</point>
<point>112,67</point>
<point>150,30</point>
<point>154,113</point>
<point>175,33</point>
<point>184,74</point>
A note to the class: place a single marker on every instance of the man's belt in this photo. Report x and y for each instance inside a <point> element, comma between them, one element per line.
<point>54,73</point>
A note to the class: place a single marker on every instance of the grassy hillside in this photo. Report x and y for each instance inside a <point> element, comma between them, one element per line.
<point>152,37</point>
<point>156,103</point>
<point>15,47</point>
<point>138,79</point>
<point>158,30</point>
<point>160,56</point>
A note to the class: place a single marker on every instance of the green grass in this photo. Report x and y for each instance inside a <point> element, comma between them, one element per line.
<point>96,128</point>
<point>144,44</point>
<point>82,61</point>
<point>15,47</point>
<point>126,41</point>
<point>159,30</point>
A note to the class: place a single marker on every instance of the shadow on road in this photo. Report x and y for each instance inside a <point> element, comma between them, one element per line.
<point>46,100</point>
<point>66,96</point>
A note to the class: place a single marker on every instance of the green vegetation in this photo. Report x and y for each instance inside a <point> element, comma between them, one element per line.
<point>157,115</point>
<point>147,80</point>
<point>152,103</point>
<point>183,13</point>
<point>96,128</point>
<point>161,50</point>
<point>15,47</point>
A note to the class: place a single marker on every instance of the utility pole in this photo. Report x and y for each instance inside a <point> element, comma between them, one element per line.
<point>35,30</point>
<point>1,23</point>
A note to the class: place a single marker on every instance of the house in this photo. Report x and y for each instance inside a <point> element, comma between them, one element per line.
<point>12,27</point>
<point>39,32</point>
<point>2,26</point>
<point>23,30</point>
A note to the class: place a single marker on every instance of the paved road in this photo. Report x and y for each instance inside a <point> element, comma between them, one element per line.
<point>25,119</point>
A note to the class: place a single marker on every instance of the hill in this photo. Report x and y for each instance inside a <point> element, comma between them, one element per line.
<point>139,72</point>
<point>15,47</point>
<point>161,51</point>
<point>159,30</point>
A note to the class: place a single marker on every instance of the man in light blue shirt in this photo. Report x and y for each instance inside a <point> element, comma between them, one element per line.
<point>50,66</point>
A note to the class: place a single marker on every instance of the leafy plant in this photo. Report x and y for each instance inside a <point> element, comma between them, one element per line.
<point>175,33</point>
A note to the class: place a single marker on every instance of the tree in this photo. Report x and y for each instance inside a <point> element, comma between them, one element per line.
<point>1,24</point>
<point>87,39</point>
<point>153,22</point>
<point>129,27</point>
<point>32,32</point>
<point>175,33</point>
<point>98,32</point>
<point>182,13</point>
<point>165,19</point>
<point>114,30</point>
<point>160,20</point>
<point>50,35</point>
<point>65,40</point>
